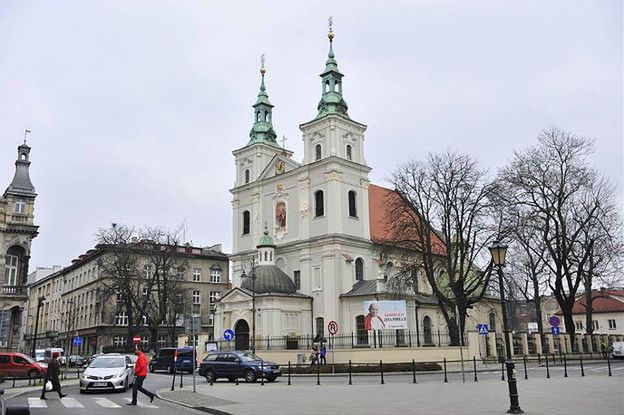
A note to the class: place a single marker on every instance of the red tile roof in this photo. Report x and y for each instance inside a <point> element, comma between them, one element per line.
<point>380,201</point>
<point>601,302</point>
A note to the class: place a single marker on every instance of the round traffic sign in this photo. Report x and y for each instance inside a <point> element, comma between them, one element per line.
<point>136,339</point>
<point>228,335</point>
<point>332,327</point>
<point>554,321</point>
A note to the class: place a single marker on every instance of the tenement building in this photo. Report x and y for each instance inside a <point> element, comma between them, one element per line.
<point>17,230</point>
<point>90,299</point>
<point>304,233</point>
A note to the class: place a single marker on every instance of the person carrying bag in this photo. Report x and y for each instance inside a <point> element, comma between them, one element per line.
<point>51,380</point>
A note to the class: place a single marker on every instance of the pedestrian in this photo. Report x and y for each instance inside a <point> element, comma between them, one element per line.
<point>140,373</point>
<point>603,347</point>
<point>322,354</point>
<point>314,355</point>
<point>52,375</point>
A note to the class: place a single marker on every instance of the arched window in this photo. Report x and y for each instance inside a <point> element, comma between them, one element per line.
<point>326,86</point>
<point>349,155</point>
<point>317,151</point>
<point>319,203</point>
<point>320,327</point>
<point>427,330</point>
<point>352,205</point>
<point>257,116</point>
<point>359,269</point>
<point>492,322</point>
<point>246,223</point>
<point>388,272</point>
<point>246,176</point>
<point>360,330</point>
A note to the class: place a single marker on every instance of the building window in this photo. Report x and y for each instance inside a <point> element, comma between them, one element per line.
<point>147,271</point>
<point>144,320</point>
<point>145,291</point>
<point>317,152</point>
<point>180,273</point>
<point>427,330</point>
<point>246,222</point>
<point>352,206</point>
<point>349,155</point>
<point>319,203</point>
<point>389,271</point>
<point>196,297</point>
<point>211,318</point>
<point>214,296</point>
<point>320,327</point>
<point>196,274</point>
<point>360,330</point>
<point>579,325</point>
<point>121,319</point>
<point>317,278</point>
<point>297,278</point>
<point>612,325</point>
<point>215,275</point>
<point>595,324</point>
<point>10,270</point>
<point>119,342</point>
<point>162,341</point>
<point>359,269</point>
<point>246,176</point>
<point>20,206</point>
<point>492,322</point>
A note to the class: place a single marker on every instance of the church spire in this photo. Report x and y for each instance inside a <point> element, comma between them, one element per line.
<point>262,130</point>
<point>21,184</point>
<point>332,101</point>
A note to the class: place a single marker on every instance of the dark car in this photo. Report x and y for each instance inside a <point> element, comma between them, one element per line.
<point>164,360</point>
<point>233,365</point>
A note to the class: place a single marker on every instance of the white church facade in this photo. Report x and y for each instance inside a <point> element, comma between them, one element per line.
<point>310,228</point>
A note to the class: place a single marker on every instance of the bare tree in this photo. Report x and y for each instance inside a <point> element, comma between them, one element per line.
<point>552,184</point>
<point>438,221</point>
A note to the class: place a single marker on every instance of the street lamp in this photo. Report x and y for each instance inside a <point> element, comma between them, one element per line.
<point>40,301</point>
<point>498,252</point>
<point>252,275</point>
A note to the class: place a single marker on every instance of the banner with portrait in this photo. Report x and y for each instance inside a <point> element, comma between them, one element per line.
<point>380,315</point>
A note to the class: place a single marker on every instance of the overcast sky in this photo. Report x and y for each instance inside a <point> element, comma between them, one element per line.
<point>135,106</point>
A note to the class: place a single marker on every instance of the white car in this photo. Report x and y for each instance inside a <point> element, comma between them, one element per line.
<point>108,372</point>
<point>618,350</point>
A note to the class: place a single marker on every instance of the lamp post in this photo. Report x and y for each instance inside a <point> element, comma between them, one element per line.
<point>498,252</point>
<point>252,276</point>
<point>40,301</point>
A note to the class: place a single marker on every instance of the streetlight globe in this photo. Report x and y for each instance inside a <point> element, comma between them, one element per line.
<point>498,252</point>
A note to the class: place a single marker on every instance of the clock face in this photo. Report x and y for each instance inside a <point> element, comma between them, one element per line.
<point>280,167</point>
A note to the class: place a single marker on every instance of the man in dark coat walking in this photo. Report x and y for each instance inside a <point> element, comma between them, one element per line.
<point>52,375</point>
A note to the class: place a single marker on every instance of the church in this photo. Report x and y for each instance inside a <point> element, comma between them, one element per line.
<point>304,233</point>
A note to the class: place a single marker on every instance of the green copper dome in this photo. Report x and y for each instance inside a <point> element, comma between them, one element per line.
<point>262,130</point>
<point>332,101</point>
<point>265,240</point>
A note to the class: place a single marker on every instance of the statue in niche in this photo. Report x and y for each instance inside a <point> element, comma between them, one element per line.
<point>280,215</point>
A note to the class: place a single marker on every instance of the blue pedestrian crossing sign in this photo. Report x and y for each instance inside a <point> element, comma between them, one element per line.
<point>228,335</point>
<point>77,341</point>
<point>483,329</point>
<point>555,331</point>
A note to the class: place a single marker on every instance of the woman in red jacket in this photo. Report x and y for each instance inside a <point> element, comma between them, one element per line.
<point>140,372</point>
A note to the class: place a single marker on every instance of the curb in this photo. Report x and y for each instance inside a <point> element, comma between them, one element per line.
<point>196,408</point>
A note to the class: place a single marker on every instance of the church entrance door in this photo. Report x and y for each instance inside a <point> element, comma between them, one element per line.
<point>241,335</point>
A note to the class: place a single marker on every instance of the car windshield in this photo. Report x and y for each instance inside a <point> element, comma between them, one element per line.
<point>108,362</point>
<point>27,358</point>
<point>248,357</point>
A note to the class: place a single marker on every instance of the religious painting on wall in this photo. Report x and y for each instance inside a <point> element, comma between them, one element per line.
<point>280,214</point>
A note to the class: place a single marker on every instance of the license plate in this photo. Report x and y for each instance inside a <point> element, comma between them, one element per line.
<point>96,384</point>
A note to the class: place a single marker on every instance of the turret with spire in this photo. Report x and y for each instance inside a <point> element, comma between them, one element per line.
<point>262,130</point>
<point>332,101</point>
<point>21,184</point>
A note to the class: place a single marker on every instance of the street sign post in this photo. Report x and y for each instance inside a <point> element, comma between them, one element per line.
<point>136,339</point>
<point>554,321</point>
<point>555,331</point>
<point>77,341</point>
<point>483,329</point>
<point>332,328</point>
<point>228,335</point>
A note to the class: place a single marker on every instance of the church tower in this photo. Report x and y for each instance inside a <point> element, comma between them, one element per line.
<point>17,230</point>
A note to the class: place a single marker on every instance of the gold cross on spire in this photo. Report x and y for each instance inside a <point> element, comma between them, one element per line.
<point>330,35</point>
<point>262,68</point>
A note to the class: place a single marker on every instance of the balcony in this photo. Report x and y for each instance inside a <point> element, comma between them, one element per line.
<point>16,290</point>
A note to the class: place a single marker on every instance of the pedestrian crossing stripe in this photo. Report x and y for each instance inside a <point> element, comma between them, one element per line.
<point>71,403</point>
<point>106,403</point>
<point>143,405</point>
<point>36,403</point>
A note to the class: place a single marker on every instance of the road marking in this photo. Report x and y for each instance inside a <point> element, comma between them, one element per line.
<point>71,403</point>
<point>106,403</point>
<point>37,403</point>
<point>143,405</point>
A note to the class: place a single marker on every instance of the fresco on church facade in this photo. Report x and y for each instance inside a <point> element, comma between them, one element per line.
<point>280,214</point>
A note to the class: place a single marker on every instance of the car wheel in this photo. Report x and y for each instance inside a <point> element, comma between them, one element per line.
<point>82,392</point>
<point>210,376</point>
<point>151,368</point>
<point>33,373</point>
<point>271,378</point>
<point>125,387</point>
<point>250,376</point>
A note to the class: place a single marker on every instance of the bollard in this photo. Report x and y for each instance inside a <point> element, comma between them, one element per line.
<point>381,371</point>
<point>13,381</point>
<point>474,364</point>
<point>582,370</point>
<point>173,381</point>
<point>547,368</point>
<point>539,359</point>
<point>503,371</point>
<point>609,364</point>
<point>445,378</point>
<point>350,373</point>
<point>236,380</point>
<point>413,371</point>
<point>565,366</point>
<point>262,373</point>
<point>289,373</point>
<point>318,373</point>
<point>554,360</point>
<point>526,375</point>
